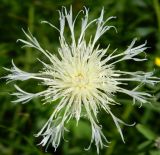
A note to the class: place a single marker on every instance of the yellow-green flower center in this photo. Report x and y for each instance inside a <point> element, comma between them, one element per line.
<point>80,81</point>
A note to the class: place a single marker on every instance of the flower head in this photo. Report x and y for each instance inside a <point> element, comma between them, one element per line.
<point>82,77</point>
<point>157,61</point>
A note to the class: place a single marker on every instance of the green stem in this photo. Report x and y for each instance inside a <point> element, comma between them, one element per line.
<point>31,28</point>
<point>146,116</point>
<point>157,10</point>
<point>31,18</point>
<point>111,147</point>
<point>127,112</point>
<point>125,116</point>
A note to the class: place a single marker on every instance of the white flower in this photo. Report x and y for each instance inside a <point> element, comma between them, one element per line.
<point>82,77</point>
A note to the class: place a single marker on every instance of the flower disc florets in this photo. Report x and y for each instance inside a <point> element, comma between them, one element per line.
<point>81,77</point>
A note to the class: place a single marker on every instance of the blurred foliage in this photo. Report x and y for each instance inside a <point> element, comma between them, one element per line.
<point>18,123</point>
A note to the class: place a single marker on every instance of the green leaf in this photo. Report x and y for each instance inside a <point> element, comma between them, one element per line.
<point>144,145</point>
<point>155,152</point>
<point>82,130</point>
<point>146,132</point>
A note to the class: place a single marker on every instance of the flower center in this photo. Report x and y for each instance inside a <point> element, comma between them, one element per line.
<point>80,81</point>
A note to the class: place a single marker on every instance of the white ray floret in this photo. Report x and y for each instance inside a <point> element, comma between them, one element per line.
<point>82,77</point>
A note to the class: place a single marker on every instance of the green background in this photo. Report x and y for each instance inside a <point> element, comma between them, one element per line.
<point>18,123</point>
